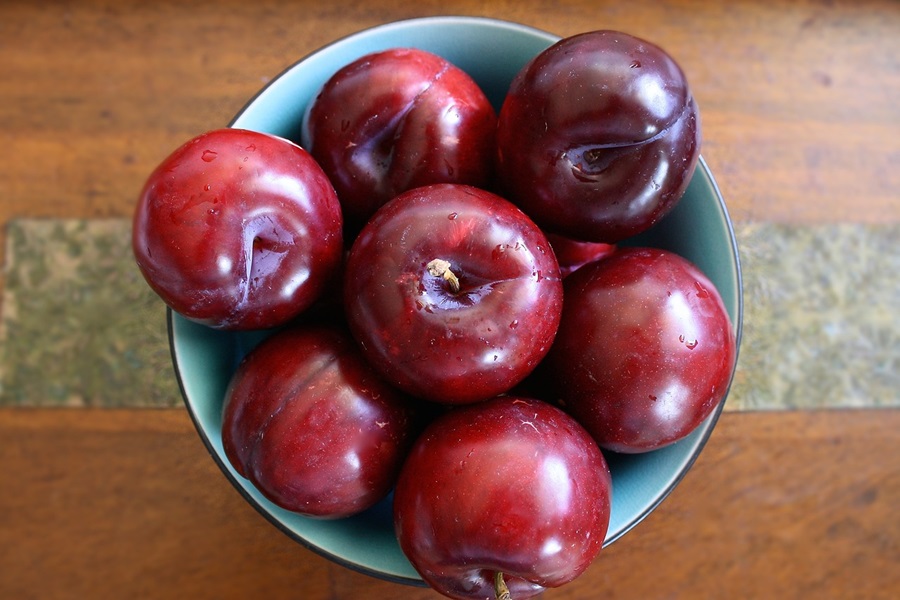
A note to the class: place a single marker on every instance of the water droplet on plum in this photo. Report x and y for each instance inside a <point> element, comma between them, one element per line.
<point>689,344</point>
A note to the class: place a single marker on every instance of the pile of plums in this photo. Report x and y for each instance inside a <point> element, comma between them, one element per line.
<point>451,314</point>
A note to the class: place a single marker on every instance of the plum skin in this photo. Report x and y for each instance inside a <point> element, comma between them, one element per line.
<point>598,137</point>
<point>645,349</point>
<point>437,344</point>
<point>513,485</point>
<point>238,230</point>
<point>398,119</point>
<point>312,426</point>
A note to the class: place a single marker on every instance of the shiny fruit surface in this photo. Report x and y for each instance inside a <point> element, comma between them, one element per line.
<point>453,293</point>
<point>598,137</point>
<point>511,486</point>
<point>398,119</point>
<point>238,230</point>
<point>312,426</point>
<point>645,349</point>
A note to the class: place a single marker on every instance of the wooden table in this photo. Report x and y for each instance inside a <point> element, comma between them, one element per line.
<point>801,116</point>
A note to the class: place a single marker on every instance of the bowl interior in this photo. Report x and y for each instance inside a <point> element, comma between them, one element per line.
<point>492,52</point>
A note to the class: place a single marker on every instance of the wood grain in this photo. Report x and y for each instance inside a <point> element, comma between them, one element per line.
<point>801,124</point>
<point>108,504</point>
<point>799,100</point>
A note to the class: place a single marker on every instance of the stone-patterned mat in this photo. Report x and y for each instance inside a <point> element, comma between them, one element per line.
<point>80,327</point>
<point>821,317</point>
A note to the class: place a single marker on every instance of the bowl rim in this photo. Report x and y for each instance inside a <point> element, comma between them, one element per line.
<point>457,20</point>
<point>708,424</point>
<point>237,486</point>
<point>711,420</point>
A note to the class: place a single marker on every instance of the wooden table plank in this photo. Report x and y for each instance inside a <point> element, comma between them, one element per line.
<point>801,124</point>
<point>799,99</point>
<point>121,503</point>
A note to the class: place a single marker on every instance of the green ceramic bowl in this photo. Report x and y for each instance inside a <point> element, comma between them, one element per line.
<point>492,52</point>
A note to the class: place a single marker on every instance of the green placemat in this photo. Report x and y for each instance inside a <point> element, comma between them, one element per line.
<point>821,308</point>
<point>80,327</point>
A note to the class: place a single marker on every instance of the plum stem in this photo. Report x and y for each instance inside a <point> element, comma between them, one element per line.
<point>441,268</point>
<point>500,588</point>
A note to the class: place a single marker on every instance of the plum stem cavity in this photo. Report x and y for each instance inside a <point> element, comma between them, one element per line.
<point>500,589</point>
<point>441,268</point>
